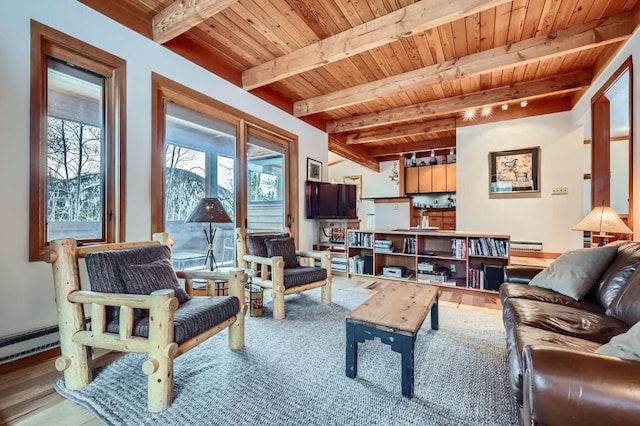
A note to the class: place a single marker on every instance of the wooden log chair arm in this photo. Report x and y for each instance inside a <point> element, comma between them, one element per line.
<point>160,345</point>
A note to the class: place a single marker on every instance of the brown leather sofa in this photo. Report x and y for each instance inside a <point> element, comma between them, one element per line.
<point>555,375</point>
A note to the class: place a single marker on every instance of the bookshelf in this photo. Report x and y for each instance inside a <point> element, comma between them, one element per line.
<point>332,235</point>
<point>466,260</point>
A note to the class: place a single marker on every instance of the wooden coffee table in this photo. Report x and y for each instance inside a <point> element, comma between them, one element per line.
<point>395,314</point>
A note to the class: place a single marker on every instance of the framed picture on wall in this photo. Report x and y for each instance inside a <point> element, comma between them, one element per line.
<point>314,170</point>
<point>515,171</point>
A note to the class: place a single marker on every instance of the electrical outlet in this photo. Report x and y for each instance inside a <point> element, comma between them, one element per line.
<point>395,206</point>
<point>559,190</point>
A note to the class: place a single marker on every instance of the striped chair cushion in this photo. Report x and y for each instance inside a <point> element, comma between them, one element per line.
<point>149,277</point>
<point>285,247</point>
<point>103,268</point>
<point>256,243</point>
<point>191,318</point>
<point>300,275</point>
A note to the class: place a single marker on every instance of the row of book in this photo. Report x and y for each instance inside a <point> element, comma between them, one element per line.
<point>488,247</point>
<point>476,278</point>
<point>409,245</point>
<point>361,239</point>
<point>383,246</point>
<point>356,265</point>
<point>459,248</point>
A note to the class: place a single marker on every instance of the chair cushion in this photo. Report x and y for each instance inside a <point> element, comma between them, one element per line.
<point>301,275</point>
<point>617,274</point>
<point>256,243</point>
<point>149,277</point>
<point>191,318</point>
<point>103,268</point>
<point>285,247</point>
<point>575,272</point>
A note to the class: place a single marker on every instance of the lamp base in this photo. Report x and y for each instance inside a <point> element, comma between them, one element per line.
<point>604,238</point>
<point>210,258</point>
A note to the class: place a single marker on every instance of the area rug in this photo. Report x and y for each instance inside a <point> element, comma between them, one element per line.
<point>292,372</point>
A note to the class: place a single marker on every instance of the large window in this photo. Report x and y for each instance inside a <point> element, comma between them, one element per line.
<point>77,101</point>
<point>204,149</point>
<point>199,163</point>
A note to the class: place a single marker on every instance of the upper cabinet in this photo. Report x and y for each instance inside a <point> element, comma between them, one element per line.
<point>428,179</point>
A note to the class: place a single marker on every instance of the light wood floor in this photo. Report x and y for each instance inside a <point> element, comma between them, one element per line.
<point>27,396</point>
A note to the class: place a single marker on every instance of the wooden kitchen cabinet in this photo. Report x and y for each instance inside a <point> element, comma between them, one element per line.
<point>438,178</point>
<point>425,179</point>
<point>451,177</point>
<point>411,180</point>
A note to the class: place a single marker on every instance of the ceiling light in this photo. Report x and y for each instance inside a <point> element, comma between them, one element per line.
<point>433,152</point>
<point>413,156</point>
<point>469,114</point>
<point>486,111</point>
<point>524,103</point>
<point>505,107</point>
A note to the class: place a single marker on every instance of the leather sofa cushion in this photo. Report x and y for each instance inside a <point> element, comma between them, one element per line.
<point>521,336</point>
<point>524,291</point>
<point>562,319</point>
<point>626,305</point>
<point>618,273</point>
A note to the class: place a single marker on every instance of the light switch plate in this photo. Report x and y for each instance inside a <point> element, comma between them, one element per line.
<point>559,190</point>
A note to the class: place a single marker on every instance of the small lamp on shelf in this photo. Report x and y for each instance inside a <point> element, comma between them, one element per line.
<point>209,210</point>
<point>601,222</point>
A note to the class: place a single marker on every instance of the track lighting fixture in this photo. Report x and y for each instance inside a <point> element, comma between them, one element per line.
<point>505,107</point>
<point>524,103</point>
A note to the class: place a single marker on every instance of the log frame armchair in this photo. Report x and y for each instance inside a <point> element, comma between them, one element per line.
<point>290,273</point>
<point>161,325</point>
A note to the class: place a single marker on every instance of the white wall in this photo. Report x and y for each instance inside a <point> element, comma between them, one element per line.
<point>26,289</point>
<point>542,217</point>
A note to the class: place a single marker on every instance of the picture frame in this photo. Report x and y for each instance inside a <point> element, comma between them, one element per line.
<point>357,181</point>
<point>514,171</point>
<point>314,170</point>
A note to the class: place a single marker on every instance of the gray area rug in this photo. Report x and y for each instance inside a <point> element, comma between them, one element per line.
<point>292,372</point>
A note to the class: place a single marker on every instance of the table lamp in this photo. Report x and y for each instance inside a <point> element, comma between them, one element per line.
<point>601,222</point>
<point>209,210</point>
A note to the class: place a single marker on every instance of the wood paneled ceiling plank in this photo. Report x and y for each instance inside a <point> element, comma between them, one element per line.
<point>405,130</point>
<point>180,16</point>
<point>247,38</point>
<point>403,22</point>
<point>412,147</point>
<point>558,84</point>
<point>224,44</point>
<point>516,21</point>
<point>582,37</point>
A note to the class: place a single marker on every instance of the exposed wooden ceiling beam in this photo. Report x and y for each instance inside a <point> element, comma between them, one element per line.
<point>412,129</point>
<point>581,37</point>
<point>563,83</point>
<point>357,154</point>
<point>401,23</point>
<point>182,15</point>
<point>404,148</point>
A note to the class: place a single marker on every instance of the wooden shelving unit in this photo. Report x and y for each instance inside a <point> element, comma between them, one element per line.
<point>332,234</point>
<point>468,260</point>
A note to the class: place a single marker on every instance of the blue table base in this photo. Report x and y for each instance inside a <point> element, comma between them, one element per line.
<point>401,343</point>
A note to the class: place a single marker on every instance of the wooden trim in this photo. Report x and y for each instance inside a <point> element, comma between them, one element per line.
<point>46,41</point>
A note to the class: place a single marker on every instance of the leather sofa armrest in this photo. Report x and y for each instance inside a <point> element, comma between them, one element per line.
<point>564,387</point>
<point>520,274</point>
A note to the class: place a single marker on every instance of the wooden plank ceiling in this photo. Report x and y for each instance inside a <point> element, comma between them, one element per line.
<point>390,77</point>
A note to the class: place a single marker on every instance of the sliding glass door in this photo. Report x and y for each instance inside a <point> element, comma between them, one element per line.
<point>200,157</point>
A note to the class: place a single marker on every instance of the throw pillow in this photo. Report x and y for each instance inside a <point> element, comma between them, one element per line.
<point>256,243</point>
<point>285,247</point>
<point>149,277</point>
<point>575,272</point>
<point>626,345</point>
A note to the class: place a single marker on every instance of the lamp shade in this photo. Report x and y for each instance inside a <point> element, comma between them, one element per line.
<point>209,210</point>
<point>603,219</point>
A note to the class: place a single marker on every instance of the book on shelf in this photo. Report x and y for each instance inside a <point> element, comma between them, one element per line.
<point>409,245</point>
<point>361,239</point>
<point>459,248</point>
<point>484,246</point>
<point>383,246</point>
<point>356,265</point>
<point>476,278</point>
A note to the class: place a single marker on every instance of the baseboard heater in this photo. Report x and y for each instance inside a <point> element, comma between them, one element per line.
<point>527,246</point>
<point>27,344</point>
